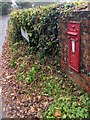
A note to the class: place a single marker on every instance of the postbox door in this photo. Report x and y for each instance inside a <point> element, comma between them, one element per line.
<point>73,48</point>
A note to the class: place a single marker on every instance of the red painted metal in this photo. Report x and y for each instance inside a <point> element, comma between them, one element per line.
<point>74,45</point>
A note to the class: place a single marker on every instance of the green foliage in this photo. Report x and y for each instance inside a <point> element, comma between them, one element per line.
<point>20,76</point>
<point>13,63</point>
<point>23,66</point>
<point>70,107</point>
<point>71,102</point>
<point>41,25</point>
<point>30,76</point>
<point>51,88</point>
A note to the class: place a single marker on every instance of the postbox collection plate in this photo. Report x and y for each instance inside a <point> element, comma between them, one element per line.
<point>74,45</point>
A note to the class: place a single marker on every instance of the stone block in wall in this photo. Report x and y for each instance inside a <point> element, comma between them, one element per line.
<point>80,79</point>
<point>85,36</point>
<point>88,67</point>
<point>84,61</point>
<point>85,29</point>
<point>63,36</point>
<point>86,23</point>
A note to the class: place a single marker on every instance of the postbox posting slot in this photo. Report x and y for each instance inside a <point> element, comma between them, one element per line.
<point>73,45</point>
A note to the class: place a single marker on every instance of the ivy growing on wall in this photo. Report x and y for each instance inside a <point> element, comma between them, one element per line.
<point>42,26</point>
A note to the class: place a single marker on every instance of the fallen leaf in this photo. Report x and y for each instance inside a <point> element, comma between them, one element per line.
<point>51,99</point>
<point>3,109</point>
<point>57,113</point>
<point>8,77</point>
<point>32,109</point>
<point>39,97</point>
<point>45,104</point>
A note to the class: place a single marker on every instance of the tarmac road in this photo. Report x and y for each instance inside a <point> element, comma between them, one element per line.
<point>3,28</point>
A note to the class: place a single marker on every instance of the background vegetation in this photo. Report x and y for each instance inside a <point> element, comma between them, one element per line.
<point>5,8</point>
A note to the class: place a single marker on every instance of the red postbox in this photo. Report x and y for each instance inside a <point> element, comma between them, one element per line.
<point>74,45</point>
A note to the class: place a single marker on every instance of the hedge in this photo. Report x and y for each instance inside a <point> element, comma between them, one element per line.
<point>42,25</point>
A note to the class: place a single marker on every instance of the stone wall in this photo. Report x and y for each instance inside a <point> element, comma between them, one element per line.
<point>83,77</point>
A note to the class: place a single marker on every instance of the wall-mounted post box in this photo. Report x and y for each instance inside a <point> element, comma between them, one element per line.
<point>74,45</point>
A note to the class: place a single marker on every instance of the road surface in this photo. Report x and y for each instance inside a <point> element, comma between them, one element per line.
<point>3,27</point>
